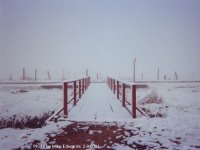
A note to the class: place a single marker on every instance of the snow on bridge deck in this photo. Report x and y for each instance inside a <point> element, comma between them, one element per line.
<point>99,104</point>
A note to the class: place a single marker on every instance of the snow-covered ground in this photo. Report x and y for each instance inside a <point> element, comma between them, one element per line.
<point>178,126</point>
<point>28,99</point>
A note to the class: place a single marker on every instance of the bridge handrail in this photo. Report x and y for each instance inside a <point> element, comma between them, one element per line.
<point>114,85</point>
<point>82,84</point>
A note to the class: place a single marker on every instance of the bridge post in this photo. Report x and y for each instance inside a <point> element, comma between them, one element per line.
<point>79,87</point>
<point>83,86</point>
<point>123,94</point>
<point>65,99</point>
<point>108,80</point>
<point>133,101</point>
<point>114,86</point>
<point>74,93</point>
<point>117,89</point>
<point>111,84</point>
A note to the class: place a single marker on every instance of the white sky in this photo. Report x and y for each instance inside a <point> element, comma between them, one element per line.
<point>101,35</point>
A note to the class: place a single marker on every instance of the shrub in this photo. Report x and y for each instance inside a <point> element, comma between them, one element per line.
<point>153,97</point>
<point>21,122</point>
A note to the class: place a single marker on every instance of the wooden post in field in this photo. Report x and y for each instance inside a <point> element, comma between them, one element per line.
<point>176,76</point>
<point>86,72</point>
<point>165,77</point>
<point>24,74</point>
<point>133,101</point>
<point>193,75</point>
<point>63,74</point>
<point>10,77</point>
<point>35,74</point>
<point>49,75</point>
<point>65,99</point>
<point>158,74</point>
<point>142,76</point>
<point>97,76</point>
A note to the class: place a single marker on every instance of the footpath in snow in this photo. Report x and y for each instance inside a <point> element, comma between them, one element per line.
<point>99,104</point>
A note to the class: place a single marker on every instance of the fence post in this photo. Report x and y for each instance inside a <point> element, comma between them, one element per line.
<point>117,89</point>
<point>65,99</point>
<point>133,101</point>
<point>74,93</point>
<point>123,94</point>
<point>79,87</point>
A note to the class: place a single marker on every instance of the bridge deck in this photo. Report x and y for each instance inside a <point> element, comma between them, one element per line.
<point>99,104</point>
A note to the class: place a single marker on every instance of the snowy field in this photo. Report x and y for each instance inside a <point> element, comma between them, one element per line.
<point>29,99</point>
<point>173,110</point>
<point>177,125</point>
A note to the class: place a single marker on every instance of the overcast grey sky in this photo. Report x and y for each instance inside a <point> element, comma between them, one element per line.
<point>101,35</point>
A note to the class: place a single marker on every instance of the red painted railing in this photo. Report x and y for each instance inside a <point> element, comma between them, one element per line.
<point>79,87</point>
<point>119,88</point>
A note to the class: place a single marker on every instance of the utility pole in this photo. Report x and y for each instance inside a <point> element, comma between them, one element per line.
<point>134,69</point>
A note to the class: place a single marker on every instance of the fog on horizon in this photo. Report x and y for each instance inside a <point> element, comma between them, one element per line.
<point>101,36</point>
